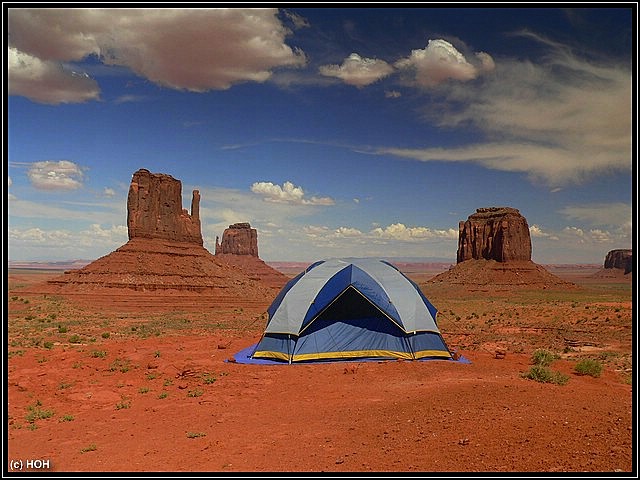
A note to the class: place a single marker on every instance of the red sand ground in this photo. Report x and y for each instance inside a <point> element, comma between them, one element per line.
<point>147,387</point>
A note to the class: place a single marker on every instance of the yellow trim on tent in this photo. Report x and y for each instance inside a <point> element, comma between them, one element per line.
<point>351,354</point>
<point>330,355</point>
<point>432,353</point>
<point>274,355</point>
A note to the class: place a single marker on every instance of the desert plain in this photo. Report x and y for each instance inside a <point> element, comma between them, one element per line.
<point>146,382</point>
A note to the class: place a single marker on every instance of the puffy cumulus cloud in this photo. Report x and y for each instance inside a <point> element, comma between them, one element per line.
<point>108,192</point>
<point>184,49</point>
<point>36,235</point>
<point>52,175</point>
<point>348,232</point>
<point>398,231</point>
<point>287,193</point>
<point>536,231</point>
<point>560,120</point>
<point>46,81</point>
<point>395,231</point>
<point>441,61</point>
<point>64,244</point>
<point>358,71</point>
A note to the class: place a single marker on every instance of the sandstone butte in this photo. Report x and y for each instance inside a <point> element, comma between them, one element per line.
<point>165,252</point>
<point>494,250</point>
<point>620,258</point>
<point>617,264</point>
<point>238,239</point>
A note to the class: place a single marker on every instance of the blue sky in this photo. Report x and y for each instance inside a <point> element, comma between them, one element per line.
<point>334,132</point>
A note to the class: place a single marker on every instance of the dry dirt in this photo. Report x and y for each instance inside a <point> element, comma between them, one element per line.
<point>140,382</point>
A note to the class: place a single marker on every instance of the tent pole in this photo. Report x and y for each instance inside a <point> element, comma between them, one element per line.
<point>289,348</point>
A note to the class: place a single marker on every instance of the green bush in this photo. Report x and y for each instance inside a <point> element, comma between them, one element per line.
<point>543,357</point>
<point>543,374</point>
<point>589,366</point>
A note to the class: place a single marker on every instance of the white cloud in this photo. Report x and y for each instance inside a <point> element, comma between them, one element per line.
<point>440,61</point>
<point>561,120</point>
<point>186,49</point>
<point>47,82</point>
<point>63,244</point>
<point>616,214</point>
<point>358,71</point>
<point>287,193</point>
<point>52,175</point>
<point>536,231</point>
<point>109,192</point>
<point>392,94</point>
<point>398,231</point>
<point>129,99</point>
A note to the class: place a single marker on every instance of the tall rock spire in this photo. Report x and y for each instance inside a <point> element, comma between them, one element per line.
<point>154,209</point>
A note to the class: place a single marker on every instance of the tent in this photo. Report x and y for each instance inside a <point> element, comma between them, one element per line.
<point>346,309</point>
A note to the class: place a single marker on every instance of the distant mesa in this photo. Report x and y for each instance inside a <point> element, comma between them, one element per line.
<point>165,251</point>
<point>494,250</point>
<point>238,239</point>
<point>618,264</point>
<point>495,233</point>
<point>239,247</point>
<point>621,258</point>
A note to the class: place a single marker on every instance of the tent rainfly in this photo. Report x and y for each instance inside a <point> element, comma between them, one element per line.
<point>346,309</point>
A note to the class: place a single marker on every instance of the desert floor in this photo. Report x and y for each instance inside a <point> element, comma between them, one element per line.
<point>142,383</point>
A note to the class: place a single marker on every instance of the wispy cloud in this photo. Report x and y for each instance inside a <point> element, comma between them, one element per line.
<point>169,47</point>
<point>600,214</point>
<point>129,98</point>
<point>560,121</point>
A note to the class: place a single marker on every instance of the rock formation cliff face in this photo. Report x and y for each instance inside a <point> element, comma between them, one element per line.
<point>494,252</point>
<point>238,239</point>
<point>165,253</point>
<point>154,209</point>
<point>495,233</point>
<point>620,258</point>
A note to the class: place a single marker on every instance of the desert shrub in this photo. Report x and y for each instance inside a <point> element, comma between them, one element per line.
<point>123,404</point>
<point>106,335</point>
<point>543,357</point>
<point>37,413</point>
<point>589,366</point>
<point>195,434</point>
<point>62,329</point>
<point>544,374</point>
<point>195,393</point>
<point>74,339</point>
<point>90,448</point>
<point>208,379</point>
